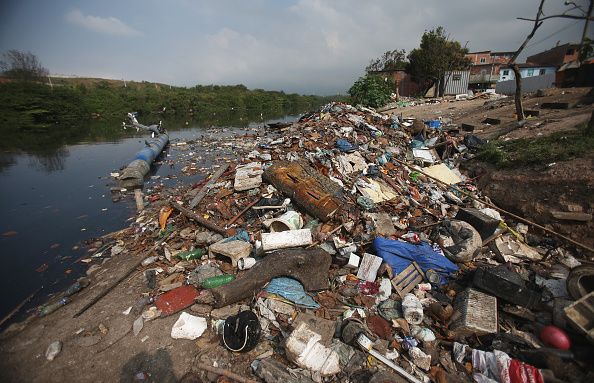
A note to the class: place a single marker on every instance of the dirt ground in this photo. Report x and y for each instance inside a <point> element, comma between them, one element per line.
<point>530,192</point>
<point>99,345</point>
<point>114,354</point>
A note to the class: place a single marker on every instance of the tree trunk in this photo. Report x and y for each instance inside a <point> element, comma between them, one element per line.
<point>518,95</point>
<point>590,127</point>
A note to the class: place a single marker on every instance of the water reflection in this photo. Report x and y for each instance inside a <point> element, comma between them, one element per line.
<point>50,161</point>
<point>48,146</point>
<point>6,160</point>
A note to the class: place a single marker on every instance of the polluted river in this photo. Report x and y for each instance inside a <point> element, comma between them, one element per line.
<point>57,200</point>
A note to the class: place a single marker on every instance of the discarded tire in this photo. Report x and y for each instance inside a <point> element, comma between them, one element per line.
<point>580,281</point>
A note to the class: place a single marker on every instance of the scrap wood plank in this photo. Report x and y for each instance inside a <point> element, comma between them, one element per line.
<point>204,191</point>
<point>408,278</point>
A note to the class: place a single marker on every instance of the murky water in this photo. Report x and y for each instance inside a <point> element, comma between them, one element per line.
<point>54,198</point>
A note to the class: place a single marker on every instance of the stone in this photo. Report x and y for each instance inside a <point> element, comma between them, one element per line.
<point>324,327</point>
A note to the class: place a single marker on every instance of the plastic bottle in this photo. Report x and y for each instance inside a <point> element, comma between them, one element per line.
<point>189,255</point>
<point>412,309</point>
<point>219,280</point>
<point>76,287</point>
<point>48,309</point>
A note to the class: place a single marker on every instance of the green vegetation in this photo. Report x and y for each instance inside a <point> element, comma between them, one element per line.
<point>33,113</point>
<point>390,60</point>
<point>86,98</point>
<point>435,56</point>
<point>558,146</point>
<point>371,91</point>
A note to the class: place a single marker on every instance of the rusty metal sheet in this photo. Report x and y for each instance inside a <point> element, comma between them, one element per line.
<point>308,188</point>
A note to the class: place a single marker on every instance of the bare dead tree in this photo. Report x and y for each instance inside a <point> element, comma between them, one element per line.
<point>538,20</point>
<point>516,69</point>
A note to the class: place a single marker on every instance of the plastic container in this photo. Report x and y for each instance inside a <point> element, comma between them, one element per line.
<point>290,220</point>
<point>246,263</point>
<point>189,255</point>
<point>219,280</point>
<point>412,309</point>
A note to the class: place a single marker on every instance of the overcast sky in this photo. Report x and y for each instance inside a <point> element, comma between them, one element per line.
<point>304,46</point>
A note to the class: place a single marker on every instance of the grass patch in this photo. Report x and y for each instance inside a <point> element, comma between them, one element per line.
<point>558,146</point>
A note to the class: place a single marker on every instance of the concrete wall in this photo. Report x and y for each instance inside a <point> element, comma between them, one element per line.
<point>529,84</point>
<point>525,72</point>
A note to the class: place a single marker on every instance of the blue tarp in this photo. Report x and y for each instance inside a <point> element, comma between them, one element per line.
<point>399,255</point>
<point>292,290</point>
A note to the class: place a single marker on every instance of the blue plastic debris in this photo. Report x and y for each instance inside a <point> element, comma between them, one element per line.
<point>241,235</point>
<point>292,290</point>
<point>345,146</point>
<point>399,255</point>
<point>433,124</point>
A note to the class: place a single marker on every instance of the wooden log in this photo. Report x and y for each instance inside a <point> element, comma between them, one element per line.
<point>204,191</point>
<point>308,266</point>
<point>193,216</point>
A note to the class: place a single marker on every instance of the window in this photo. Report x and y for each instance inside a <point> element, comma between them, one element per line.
<point>506,72</point>
<point>483,60</point>
<point>542,71</point>
<point>530,73</point>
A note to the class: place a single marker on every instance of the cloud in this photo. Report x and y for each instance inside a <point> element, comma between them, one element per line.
<point>106,25</point>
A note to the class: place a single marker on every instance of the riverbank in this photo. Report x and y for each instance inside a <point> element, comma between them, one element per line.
<point>33,115</point>
<point>348,195</point>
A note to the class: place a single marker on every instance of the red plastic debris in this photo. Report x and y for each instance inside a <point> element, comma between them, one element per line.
<point>176,300</point>
<point>555,337</point>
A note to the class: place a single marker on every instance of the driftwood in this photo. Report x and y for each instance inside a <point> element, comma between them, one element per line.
<point>190,214</point>
<point>308,266</point>
<point>204,191</point>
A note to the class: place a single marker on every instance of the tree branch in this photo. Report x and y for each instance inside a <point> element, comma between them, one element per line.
<point>575,17</point>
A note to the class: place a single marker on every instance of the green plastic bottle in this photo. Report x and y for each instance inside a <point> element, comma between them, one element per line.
<point>219,280</point>
<point>189,255</point>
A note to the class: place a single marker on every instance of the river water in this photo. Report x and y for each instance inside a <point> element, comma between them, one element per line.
<point>54,199</point>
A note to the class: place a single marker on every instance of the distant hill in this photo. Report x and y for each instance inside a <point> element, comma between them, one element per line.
<point>73,98</point>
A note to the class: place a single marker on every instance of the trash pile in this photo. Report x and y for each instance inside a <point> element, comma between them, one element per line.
<point>347,246</point>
